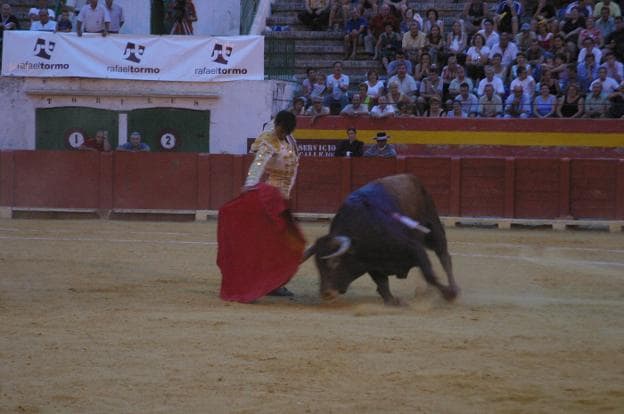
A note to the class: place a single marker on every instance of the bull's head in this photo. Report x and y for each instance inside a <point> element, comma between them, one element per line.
<point>336,263</point>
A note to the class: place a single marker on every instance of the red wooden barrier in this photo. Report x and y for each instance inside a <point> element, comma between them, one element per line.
<point>543,188</point>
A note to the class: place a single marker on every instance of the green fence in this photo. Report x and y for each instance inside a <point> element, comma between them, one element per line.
<point>279,58</point>
<point>248,12</point>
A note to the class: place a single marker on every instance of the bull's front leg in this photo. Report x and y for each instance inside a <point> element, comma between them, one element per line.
<point>383,288</point>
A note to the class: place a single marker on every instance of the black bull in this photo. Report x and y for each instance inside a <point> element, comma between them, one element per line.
<point>367,236</point>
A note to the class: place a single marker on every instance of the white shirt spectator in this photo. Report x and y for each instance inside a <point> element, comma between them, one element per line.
<point>116,17</point>
<point>93,20</point>
<point>379,112</point>
<point>509,55</point>
<point>609,85</point>
<point>595,51</point>
<point>496,83</point>
<point>50,26</point>
<point>476,56</point>
<point>528,85</point>
<point>490,40</point>
<point>407,85</point>
<point>333,85</point>
<point>35,11</point>
<point>616,72</point>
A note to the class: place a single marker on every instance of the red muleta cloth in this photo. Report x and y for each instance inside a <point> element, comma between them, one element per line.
<point>260,246</point>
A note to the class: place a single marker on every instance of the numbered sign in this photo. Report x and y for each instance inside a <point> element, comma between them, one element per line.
<point>76,139</point>
<point>168,141</point>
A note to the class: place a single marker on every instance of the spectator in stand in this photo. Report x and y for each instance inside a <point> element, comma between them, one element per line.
<point>596,103</point>
<point>396,97</point>
<point>93,18</point>
<point>586,72</point>
<point>430,86</point>
<point>363,94</point>
<point>571,28</point>
<point>615,41</point>
<point>548,80</point>
<point>614,8</point>
<point>521,60</point>
<point>507,49</point>
<point>525,81</point>
<point>317,109</point>
<point>377,25</point>
<point>589,47</point>
<point>490,104</point>
<point>525,37</point>
<point>436,45</point>
<point>605,23</point>
<point>494,81</point>
<point>457,41</point>
<point>387,45</point>
<point>571,103</point>
<point>616,103</point>
<point>453,88</point>
<point>319,88</point>
<point>8,20</point>
<point>609,85</point>
<point>355,108</point>
<point>490,37</point>
<point>422,69</point>
<point>449,72</point>
<point>382,109</point>
<point>590,31</point>
<point>355,29</point>
<point>501,71</point>
<point>64,24</point>
<point>33,13</point>
<point>469,103</point>
<point>435,109</point>
<point>337,86</point>
<point>456,111</point>
<point>350,147</point>
<point>398,7</point>
<point>405,110</point>
<point>43,24</point>
<point>340,13</point>
<point>368,8</point>
<point>431,20</point>
<point>117,17</point>
<point>614,68</point>
<point>535,57</point>
<point>400,59</point>
<point>298,106</point>
<point>507,15</point>
<point>407,83</point>
<point>560,47</point>
<point>474,13</point>
<point>517,104</point>
<point>544,10</point>
<point>584,7</point>
<point>307,85</point>
<point>413,42</point>
<point>382,149</point>
<point>135,144</point>
<point>375,87</point>
<point>316,14</point>
<point>183,16</point>
<point>545,37</point>
<point>100,143</point>
<point>545,104</point>
<point>477,57</point>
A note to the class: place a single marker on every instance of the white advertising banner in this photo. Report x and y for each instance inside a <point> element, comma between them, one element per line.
<point>161,58</point>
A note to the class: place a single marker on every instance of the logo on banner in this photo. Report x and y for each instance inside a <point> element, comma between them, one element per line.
<point>218,51</point>
<point>132,51</point>
<point>44,48</point>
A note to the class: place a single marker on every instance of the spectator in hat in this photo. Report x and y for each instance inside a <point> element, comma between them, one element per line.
<point>382,149</point>
<point>350,147</point>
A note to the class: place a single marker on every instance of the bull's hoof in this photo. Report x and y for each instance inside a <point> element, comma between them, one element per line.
<point>395,302</point>
<point>449,293</point>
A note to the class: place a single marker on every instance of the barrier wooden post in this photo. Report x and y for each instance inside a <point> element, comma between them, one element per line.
<point>345,182</point>
<point>510,187</point>
<point>564,192</point>
<point>619,191</point>
<point>7,171</point>
<point>106,185</point>
<point>203,187</point>
<point>455,190</point>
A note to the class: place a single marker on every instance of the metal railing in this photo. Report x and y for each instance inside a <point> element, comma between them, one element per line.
<point>248,12</point>
<point>279,58</point>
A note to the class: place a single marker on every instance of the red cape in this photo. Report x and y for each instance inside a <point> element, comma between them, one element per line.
<point>260,246</point>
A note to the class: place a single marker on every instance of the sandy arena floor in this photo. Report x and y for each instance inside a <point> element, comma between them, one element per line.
<point>112,317</point>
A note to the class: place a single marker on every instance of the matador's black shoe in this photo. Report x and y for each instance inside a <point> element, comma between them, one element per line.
<point>281,291</point>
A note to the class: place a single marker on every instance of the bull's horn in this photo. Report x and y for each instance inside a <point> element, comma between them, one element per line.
<point>309,252</point>
<point>345,243</point>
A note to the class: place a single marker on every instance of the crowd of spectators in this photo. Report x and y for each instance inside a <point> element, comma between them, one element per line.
<point>511,59</point>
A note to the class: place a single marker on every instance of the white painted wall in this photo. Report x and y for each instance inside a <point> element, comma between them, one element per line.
<point>237,114</point>
<point>214,17</point>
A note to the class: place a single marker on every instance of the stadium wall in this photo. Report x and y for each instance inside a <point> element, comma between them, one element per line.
<point>526,188</point>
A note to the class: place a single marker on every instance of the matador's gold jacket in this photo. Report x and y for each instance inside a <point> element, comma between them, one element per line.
<point>278,159</point>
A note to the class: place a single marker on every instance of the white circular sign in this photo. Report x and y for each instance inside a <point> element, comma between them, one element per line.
<point>168,141</point>
<point>76,139</point>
